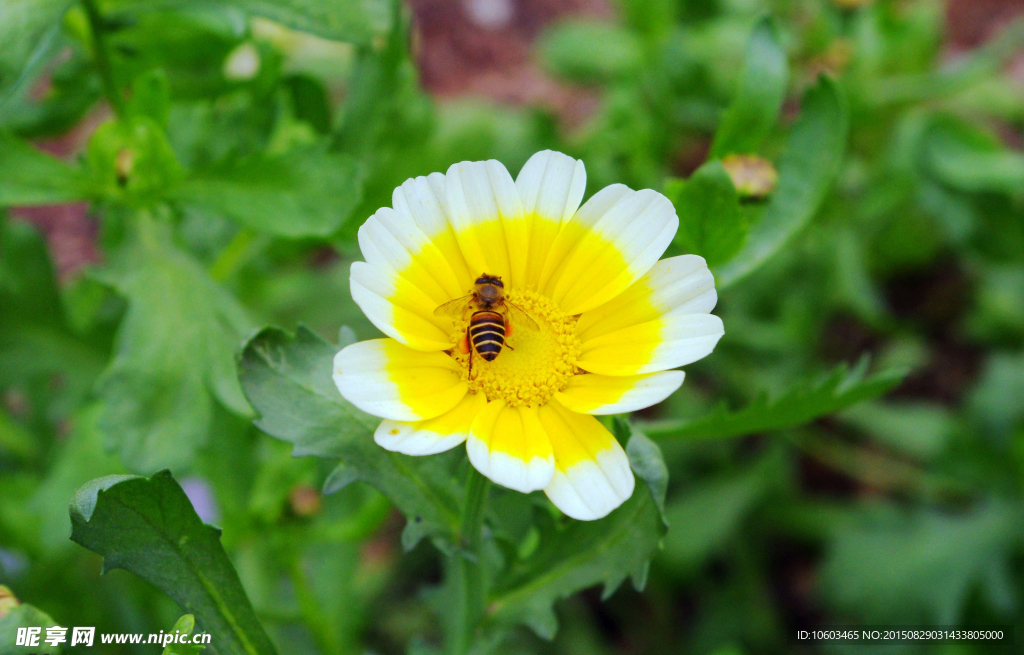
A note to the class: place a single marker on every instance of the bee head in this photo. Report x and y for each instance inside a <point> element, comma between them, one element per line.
<point>490,279</point>
<point>488,287</point>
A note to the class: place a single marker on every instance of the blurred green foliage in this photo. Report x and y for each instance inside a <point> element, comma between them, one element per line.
<point>234,161</point>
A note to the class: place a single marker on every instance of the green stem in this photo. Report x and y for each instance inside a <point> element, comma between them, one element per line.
<point>466,568</point>
<point>99,47</point>
<point>310,609</point>
<point>234,254</point>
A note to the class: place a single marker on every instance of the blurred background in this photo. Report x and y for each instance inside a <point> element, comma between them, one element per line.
<point>904,509</point>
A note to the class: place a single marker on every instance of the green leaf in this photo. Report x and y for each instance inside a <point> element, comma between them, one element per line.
<point>35,338</point>
<point>711,222</point>
<point>995,400</point>
<point>922,566</point>
<point>25,616</point>
<point>356,21</point>
<point>26,27</point>
<point>969,159</point>
<point>703,518</point>
<point>74,89</point>
<point>15,440</point>
<point>174,352</point>
<point>921,430</point>
<point>303,193</point>
<point>31,177</point>
<point>147,526</point>
<point>288,381</point>
<point>809,166</point>
<point>759,95</point>
<point>587,553</point>
<point>81,458</point>
<point>184,625</point>
<point>801,404</point>
<point>151,97</point>
<point>590,51</point>
<point>28,281</point>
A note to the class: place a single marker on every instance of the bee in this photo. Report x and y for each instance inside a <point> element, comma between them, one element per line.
<point>489,325</point>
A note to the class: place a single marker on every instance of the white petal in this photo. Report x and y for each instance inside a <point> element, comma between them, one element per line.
<point>607,394</point>
<point>613,240</point>
<point>551,187</point>
<point>391,241</point>
<point>397,310</point>
<point>423,200</point>
<point>434,435</point>
<point>658,323</point>
<point>487,215</point>
<point>590,490</point>
<point>670,342</point>
<point>677,285</point>
<point>387,379</point>
<point>509,446</point>
<point>592,475</point>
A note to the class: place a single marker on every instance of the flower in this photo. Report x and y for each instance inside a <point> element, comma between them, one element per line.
<point>611,319</point>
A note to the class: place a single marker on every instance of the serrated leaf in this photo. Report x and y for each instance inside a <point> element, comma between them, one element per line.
<point>174,352</point>
<point>304,193</point>
<point>31,177</point>
<point>809,166</point>
<point>26,27</point>
<point>25,616</point>
<point>147,526</point>
<point>587,553</point>
<point>711,222</point>
<point>801,404</point>
<point>759,95</point>
<point>288,381</point>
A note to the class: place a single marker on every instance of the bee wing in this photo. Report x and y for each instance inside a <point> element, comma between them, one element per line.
<point>453,308</point>
<point>521,318</point>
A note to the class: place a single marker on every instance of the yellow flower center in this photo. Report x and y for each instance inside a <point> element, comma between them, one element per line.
<point>534,364</point>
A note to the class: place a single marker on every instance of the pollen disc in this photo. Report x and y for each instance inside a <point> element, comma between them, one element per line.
<point>538,363</point>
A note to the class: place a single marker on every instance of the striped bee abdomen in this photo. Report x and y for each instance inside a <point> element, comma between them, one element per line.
<point>487,333</point>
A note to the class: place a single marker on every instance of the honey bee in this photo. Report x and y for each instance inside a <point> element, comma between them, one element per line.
<point>489,325</point>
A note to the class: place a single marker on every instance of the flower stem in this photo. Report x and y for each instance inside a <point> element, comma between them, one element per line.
<point>234,254</point>
<point>101,57</point>
<point>466,567</point>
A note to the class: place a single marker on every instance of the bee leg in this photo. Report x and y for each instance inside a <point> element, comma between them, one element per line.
<point>469,376</point>
<point>464,344</point>
<point>508,334</point>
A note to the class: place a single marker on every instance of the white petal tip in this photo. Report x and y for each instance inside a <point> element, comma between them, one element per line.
<point>410,439</point>
<point>591,490</point>
<point>508,471</point>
